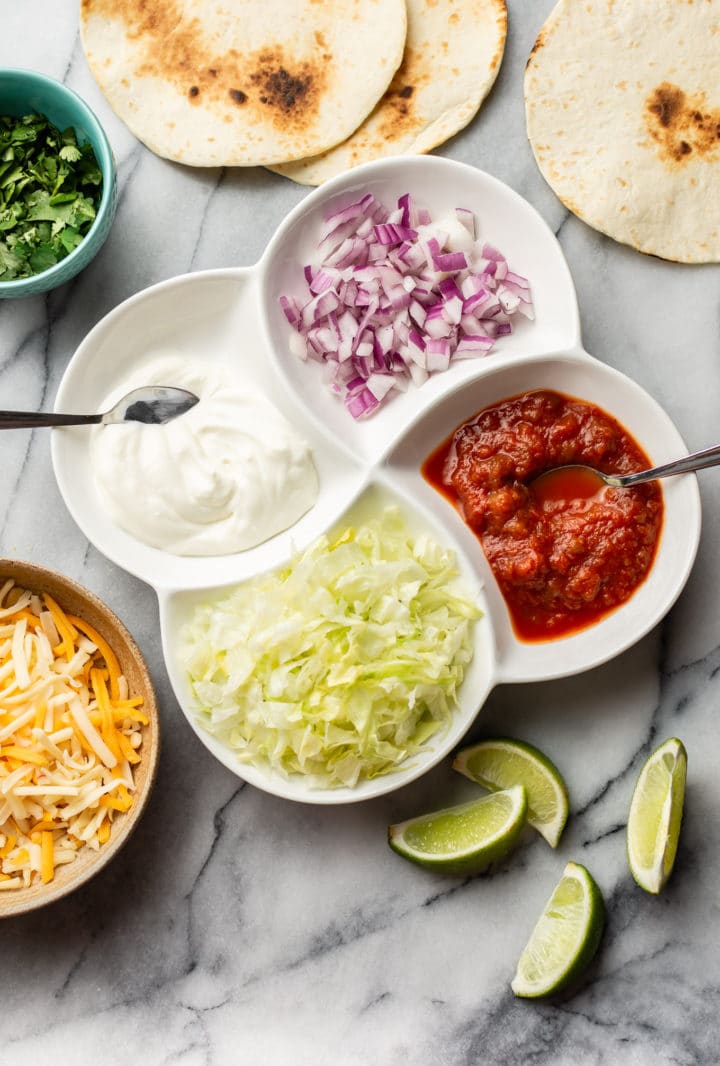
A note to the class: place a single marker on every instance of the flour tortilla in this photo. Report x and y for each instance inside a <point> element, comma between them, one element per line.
<point>623,114</point>
<point>242,82</point>
<point>452,56</point>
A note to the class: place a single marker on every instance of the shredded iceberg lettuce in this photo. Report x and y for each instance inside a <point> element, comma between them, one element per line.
<point>342,665</point>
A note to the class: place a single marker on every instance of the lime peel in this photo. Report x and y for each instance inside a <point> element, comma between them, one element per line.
<point>565,938</point>
<point>655,817</point>
<point>501,762</point>
<point>465,838</point>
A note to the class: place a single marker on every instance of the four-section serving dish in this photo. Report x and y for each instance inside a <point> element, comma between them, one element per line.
<point>234,318</point>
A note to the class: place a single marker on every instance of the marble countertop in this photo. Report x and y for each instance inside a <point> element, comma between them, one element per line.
<point>237,928</point>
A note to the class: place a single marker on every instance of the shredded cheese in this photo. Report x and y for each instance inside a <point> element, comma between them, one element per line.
<point>69,735</point>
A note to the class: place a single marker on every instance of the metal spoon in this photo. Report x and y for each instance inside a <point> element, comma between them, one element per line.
<point>696,461</point>
<point>152,405</point>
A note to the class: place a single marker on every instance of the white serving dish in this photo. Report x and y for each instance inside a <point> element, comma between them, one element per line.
<point>233,317</point>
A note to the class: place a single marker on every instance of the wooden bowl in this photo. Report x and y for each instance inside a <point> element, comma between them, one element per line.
<point>77,600</point>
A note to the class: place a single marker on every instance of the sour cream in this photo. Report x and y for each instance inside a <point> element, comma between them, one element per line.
<point>226,476</point>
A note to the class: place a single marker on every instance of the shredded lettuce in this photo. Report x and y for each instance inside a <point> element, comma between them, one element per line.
<point>342,665</point>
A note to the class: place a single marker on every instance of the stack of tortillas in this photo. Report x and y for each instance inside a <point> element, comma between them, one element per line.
<point>309,87</point>
<point>623,114</point>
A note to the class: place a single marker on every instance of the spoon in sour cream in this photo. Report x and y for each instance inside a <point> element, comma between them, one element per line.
<point>577,481</point>
<point>153,405</point>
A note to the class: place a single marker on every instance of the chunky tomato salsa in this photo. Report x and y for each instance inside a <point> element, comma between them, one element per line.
<point>564,552</point>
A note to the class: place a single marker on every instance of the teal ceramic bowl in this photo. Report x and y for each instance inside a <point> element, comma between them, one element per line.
<point>25,91</point>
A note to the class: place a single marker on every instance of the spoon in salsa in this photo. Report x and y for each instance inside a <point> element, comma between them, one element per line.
<point>153,405</point>
<point>577,481</point>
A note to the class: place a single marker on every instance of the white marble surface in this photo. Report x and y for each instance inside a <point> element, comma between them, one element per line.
<point>236,928</point>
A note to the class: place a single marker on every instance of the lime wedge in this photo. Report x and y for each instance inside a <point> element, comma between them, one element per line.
<point>501,763</point>
<point>565,938</point>
<point>463,839</point>
<point>655,815</point>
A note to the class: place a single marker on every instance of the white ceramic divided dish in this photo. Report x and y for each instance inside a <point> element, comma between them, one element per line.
<point>233,317</point>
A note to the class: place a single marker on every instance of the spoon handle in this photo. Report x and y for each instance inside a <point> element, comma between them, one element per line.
<point>37,419</point>
<point>696,461</point>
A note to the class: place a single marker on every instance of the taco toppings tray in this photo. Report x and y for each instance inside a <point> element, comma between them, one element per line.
<point>303,661</point>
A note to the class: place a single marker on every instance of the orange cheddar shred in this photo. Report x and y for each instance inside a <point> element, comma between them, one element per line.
<point>60,793</point>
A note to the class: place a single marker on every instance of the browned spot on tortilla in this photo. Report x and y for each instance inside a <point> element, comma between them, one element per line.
<point>501,21</point>
<point>539,43</point>
<point>682,125</point>
<point>398,105</point>
<point>666,104</point>
<point>287,91</point>
<point>571,205</point>
<point>275,86</point>
<point>320,38</point>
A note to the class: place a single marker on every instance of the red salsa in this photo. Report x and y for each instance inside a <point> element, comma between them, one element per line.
<point>568,550</point>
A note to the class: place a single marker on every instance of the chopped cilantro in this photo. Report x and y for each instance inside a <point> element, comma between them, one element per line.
<point>50,187</point>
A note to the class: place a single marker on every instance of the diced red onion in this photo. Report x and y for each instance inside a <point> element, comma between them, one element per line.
<point>290,309</point>
<point>476,301</point>
<point>417,313</point>
<point>467,218</point>
<point>449,290</point>
<point>516,279</point>
<point>437,327</point>
<point>406,206</point>
<point>453,310</point>
<point>381,310</point>
<point>473,345</point>
<point>418,374</point>
<point>346,214</point>
<point>394,234</point>
<point>450,261</point>
<point>380,385</point>
<point>322,280</point>
<point>509,301</point>
<point>361,404</point>
<point>489,252</point>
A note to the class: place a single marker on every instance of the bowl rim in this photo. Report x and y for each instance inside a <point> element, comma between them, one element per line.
<point>10,905</point>
<point>106,162</point>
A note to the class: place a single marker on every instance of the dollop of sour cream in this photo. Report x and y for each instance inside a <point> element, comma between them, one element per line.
<point>224,477</point>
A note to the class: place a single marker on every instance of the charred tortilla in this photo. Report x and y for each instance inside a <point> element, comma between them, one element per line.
<point>623,115</point>
<point>452,56</point>
<point>242,82</point>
